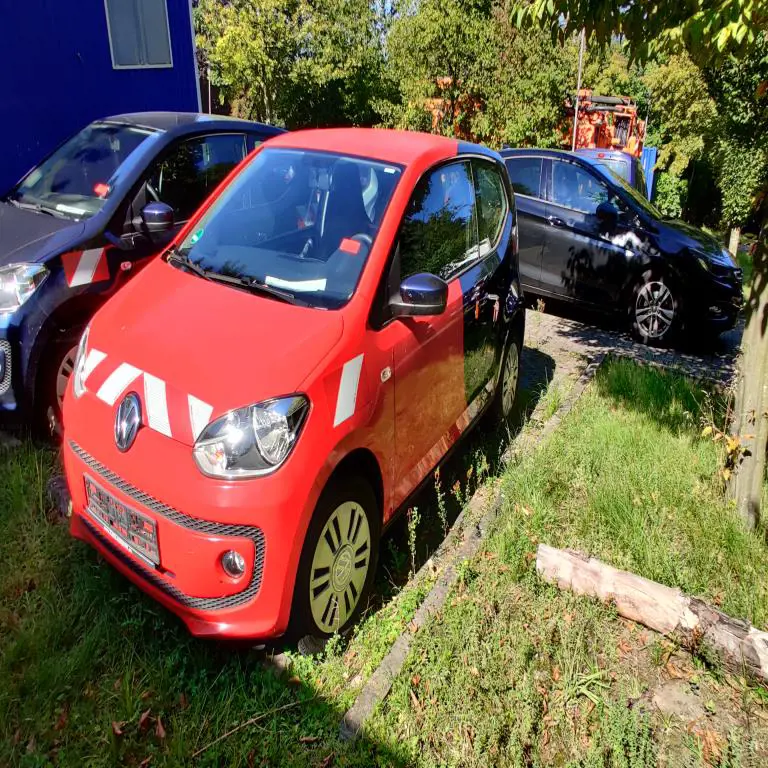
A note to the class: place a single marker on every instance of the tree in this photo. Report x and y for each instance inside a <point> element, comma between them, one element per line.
<point>296,62</point>
<point>711,32</point>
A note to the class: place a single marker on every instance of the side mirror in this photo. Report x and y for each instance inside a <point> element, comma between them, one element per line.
<point>607,214</point>
<point>157,218</point>
<point>421,294</point>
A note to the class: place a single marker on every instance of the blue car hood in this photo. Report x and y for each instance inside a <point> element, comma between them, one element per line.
<point>27,236</point>
<point>693,237</point>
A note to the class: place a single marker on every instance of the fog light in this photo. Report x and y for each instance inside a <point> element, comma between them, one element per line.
<point>3,365</point>
<point>715,310</point>
<point>233,563</point>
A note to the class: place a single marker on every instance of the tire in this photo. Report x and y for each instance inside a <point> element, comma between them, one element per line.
<point>60,359</point>
<point>655,309</point>
<point>332,585</point>
<point>509,379</point>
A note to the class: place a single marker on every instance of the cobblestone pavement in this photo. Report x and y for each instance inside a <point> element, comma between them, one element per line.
<point>564,339</point>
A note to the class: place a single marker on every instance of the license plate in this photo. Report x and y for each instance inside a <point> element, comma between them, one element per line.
<point>126,525</point>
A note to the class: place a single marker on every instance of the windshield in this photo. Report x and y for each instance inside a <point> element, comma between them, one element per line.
<point>619,167</point>
<point>639,199</point>
<point>76,179</point>
<point>299,221</point>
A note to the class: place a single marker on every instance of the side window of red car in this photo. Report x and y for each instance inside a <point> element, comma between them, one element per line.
<point>439,231</point>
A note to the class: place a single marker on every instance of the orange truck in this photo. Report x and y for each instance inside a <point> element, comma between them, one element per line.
<point>605,122</point>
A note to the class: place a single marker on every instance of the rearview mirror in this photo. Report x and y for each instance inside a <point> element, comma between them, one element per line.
<point>421,294</point>
<point>607,214</point>
<point>157,218</point>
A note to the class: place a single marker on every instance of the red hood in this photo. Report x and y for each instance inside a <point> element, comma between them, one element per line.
<point>223,346</point>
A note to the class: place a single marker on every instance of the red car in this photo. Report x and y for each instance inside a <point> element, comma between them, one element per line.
<point>249,413</point>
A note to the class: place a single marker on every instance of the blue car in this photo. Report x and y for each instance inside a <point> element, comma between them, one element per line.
<point>87,219</point>
<point>627,166</point>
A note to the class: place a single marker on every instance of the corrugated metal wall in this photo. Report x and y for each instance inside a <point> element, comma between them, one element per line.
<point>56,76</point>
<point>648,161</point>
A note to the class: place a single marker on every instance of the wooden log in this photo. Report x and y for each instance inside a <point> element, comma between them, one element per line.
<point>694,623</point>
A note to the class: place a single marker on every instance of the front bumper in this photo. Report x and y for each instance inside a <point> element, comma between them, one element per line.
<point>267,527</point>
<point>715,304</point>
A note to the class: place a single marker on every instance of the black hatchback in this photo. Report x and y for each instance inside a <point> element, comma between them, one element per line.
<point>86,220</point>
<point>589,237</point>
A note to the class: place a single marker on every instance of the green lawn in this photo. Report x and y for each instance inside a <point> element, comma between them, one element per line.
<point>513,672</point>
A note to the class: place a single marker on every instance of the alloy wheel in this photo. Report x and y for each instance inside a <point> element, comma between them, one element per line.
<point>339,567</point>
<point>510,377</point>
<point>654,309</point>
<point>63,374</point>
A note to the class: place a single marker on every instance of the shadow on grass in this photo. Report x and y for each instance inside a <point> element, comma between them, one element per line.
<point>92,671</point>
<point>672,400</point>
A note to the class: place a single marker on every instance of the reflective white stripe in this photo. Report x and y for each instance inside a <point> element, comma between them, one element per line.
<point>157,404</point>
<point>117,382</point>
<point>94,357</point>
<point>199,415</point>
<point>350,377</point>
<point>86,267</point>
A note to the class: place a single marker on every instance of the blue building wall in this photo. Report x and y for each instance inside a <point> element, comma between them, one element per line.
<point>56,76</point>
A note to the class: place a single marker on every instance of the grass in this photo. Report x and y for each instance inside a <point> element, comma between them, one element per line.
<point>515,672</point>
<point>512,672</point>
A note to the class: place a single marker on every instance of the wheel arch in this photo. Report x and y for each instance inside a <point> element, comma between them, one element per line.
<point>361,462</point>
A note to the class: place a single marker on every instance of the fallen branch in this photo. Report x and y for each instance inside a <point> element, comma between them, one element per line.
<point>252,721</point>
<point>695,623</point>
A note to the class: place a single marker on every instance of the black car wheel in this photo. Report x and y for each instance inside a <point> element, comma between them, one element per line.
<point>56,373</point>
<point>338,560</point>
<point>655,309</point>
<point>509,378</point>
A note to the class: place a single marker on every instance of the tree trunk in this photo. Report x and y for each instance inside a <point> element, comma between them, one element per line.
<point>695,623</point>
<point>751,404</point>
<point>733,244</point>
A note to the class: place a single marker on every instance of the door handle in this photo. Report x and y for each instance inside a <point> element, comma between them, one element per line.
<point>556,221</point>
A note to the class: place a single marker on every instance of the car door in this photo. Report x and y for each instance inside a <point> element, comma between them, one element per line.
<point>527,176</point>
<point>582,260</point>
<point>438,234</point>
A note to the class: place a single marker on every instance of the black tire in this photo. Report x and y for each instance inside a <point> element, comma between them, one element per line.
<point>57,368</point>
<point>349,499</point>
<point>504,400</point>
<point>655,309</point>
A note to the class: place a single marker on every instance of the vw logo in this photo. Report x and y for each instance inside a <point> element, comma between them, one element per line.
<point>127,421</point>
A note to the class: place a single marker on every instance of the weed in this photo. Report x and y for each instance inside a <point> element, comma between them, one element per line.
<point>441,510</point>
<point>414,518</point>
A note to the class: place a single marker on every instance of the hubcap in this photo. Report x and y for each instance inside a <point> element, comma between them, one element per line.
<point>654,309</point>
<point>63,374</point>
<point>339,567</point>
<point>509,384</point>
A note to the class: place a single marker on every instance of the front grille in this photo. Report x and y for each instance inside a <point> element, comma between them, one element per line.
<point>5,354</point>
<point>193,524</point>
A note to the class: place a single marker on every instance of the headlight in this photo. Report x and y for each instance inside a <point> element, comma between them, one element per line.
<point>251,441</point>
<point>17,283</point>
<point>78,375</point>
<point>717,263</point>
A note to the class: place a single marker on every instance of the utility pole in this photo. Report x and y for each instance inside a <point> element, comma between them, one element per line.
<point>578,87</point>
<point>208,78</point>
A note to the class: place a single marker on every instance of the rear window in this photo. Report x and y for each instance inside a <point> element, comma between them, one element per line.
<point>619,167</point>
<point>525,174</point>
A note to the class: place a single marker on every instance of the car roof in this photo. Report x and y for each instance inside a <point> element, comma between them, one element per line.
<point>523,151</point>
<point>604,154</point>
<point>185,122</point>
<point>401,147</point>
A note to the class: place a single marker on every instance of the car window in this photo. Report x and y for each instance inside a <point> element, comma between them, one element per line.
<point>575,188</point>
<point>296,220</point>
<point>491,204</point>
<point>189,172</point>
<point>619,167</point>
<point>439,231</point>
<point>525,174</point>
<point>640,183</point>
<point>76,179</point>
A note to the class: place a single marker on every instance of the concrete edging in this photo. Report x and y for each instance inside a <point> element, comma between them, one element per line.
<point>380,683</point>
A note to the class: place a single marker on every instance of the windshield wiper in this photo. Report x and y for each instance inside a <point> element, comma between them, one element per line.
<point>29,206</point>
<point>175,256</point>
<point>257,286</point>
